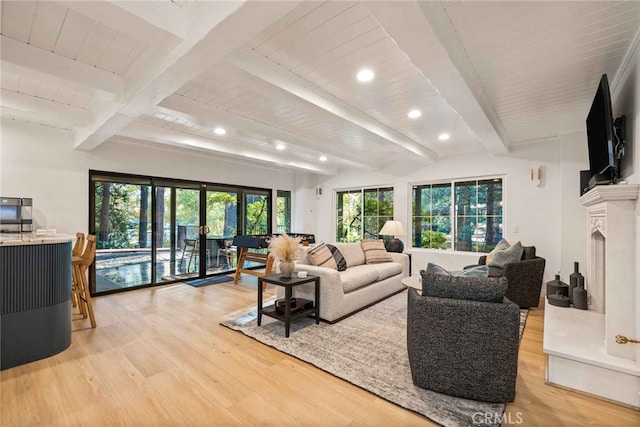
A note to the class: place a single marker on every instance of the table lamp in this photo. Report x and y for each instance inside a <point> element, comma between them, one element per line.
<point>393,228</point>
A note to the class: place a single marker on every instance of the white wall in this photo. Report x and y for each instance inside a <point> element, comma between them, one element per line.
<point>626,100</point>
<point>40,162</point>
<point>536,211</point>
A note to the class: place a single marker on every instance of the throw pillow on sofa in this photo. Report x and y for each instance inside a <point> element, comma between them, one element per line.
<point>477,271</point>
<point>507,256</point>
<point>321,256</point>
<point>375,252</point>
<point>490,289</point>
<point>338,257</point>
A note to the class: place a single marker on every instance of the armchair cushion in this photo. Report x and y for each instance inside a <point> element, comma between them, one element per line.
<point>528,252</point>
<point>463,288</point>
<point>506,256</point>
<point>468,271</point>
<point>502,245</point>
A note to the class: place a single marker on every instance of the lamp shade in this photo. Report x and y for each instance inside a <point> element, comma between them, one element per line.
<point>392,228</point>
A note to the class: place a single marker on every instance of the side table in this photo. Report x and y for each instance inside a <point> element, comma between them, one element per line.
<point>412,282</point>
<point>288,284</point>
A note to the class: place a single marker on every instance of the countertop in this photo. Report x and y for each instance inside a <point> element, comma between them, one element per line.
<point>16,239</point>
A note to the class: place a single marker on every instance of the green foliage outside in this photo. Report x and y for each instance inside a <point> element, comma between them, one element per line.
<point>122,215</point>
<point>434,240</point>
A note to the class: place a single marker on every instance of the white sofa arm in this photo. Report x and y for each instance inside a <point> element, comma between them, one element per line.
<point>403,259</point>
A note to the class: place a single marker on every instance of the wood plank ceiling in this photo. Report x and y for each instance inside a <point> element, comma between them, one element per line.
<point>280,77</point>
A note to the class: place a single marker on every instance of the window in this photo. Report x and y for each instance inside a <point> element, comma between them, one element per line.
<point>257,214</point>
<point>357,220</point>
<point>461,215</point>
<point>283,211</point>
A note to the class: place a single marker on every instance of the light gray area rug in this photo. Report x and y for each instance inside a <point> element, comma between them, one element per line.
<point>368,349</point>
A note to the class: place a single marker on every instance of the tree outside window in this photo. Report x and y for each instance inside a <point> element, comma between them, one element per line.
<point>362,213</point>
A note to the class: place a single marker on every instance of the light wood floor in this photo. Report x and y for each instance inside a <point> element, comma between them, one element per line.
<point>160,357</point>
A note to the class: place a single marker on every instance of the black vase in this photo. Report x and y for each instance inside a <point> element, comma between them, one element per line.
<point>556,285</point>
<point>574,280</point>
<point>580,296</point>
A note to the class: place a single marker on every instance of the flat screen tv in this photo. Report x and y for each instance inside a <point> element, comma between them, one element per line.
<point>600,132</point>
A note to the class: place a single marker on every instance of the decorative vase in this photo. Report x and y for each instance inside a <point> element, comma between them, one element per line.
<point>580,297</point>
<point>555,285</point>
<point>574,279</point>
<point>558,299</point>
<point>286,268</point>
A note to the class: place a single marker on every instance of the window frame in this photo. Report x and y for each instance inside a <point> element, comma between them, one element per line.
<point>452,214</point>
<point>361,191</point>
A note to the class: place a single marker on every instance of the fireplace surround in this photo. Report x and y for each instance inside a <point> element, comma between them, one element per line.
<point>582,353</point>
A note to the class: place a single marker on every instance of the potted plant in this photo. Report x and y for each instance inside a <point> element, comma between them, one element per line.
<point>285,249</point>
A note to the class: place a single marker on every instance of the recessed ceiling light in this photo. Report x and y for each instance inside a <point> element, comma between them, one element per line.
<point>219,131</point>
<point>444,136</point>
<point>323,158</point>
<point>280,147</point>
<point>365,75</point>
<point>414,114</point>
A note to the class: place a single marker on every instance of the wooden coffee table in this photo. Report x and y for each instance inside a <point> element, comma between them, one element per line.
<point>288,284</point>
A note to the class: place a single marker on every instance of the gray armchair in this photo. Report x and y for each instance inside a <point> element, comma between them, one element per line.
<point>462,347</point>
<point>524,277</point>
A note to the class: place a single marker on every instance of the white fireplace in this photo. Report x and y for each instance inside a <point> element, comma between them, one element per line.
<point>581,345</point>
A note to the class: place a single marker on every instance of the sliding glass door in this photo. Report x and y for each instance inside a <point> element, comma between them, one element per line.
<point>222,227</point>
<point>155,230</point>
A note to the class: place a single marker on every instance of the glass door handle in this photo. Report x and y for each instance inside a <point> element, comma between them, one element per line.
<point>203,230</point>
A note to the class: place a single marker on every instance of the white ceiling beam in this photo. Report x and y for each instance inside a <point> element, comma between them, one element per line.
<point>211,116</point>
<point>411,25</point>
<point>276,75</point>
<point>234,149</point>
<point>39,61</point>
<point>44,109</point>
<point>131,19</point>
<point>232,25</point>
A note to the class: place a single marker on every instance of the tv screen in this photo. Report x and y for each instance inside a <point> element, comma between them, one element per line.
<point>600,131</point>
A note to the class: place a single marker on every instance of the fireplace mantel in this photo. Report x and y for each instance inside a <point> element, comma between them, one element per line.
<point>608,193</point>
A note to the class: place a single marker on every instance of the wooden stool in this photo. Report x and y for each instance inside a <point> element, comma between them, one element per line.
<point>81,291</point>
<point>77,251</point>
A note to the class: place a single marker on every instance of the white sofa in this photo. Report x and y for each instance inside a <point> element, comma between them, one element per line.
<point>344,292</point>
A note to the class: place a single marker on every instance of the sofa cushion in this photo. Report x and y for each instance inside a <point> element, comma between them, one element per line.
<point>375,252</point>
<point>352,253</point>
<point>507,256</point>
<point>358,276</point>
<point>387,269</point>
<point>468,271</point>
<point>321,256</point>
<point>337,256</point>
<point>491,289</point>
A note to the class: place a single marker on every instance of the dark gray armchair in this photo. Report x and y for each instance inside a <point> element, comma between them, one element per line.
<point>462,347</point>
<point>524,277</point>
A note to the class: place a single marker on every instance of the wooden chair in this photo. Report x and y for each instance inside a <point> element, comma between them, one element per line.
<point>80,265</point>
<point>77,251</point>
